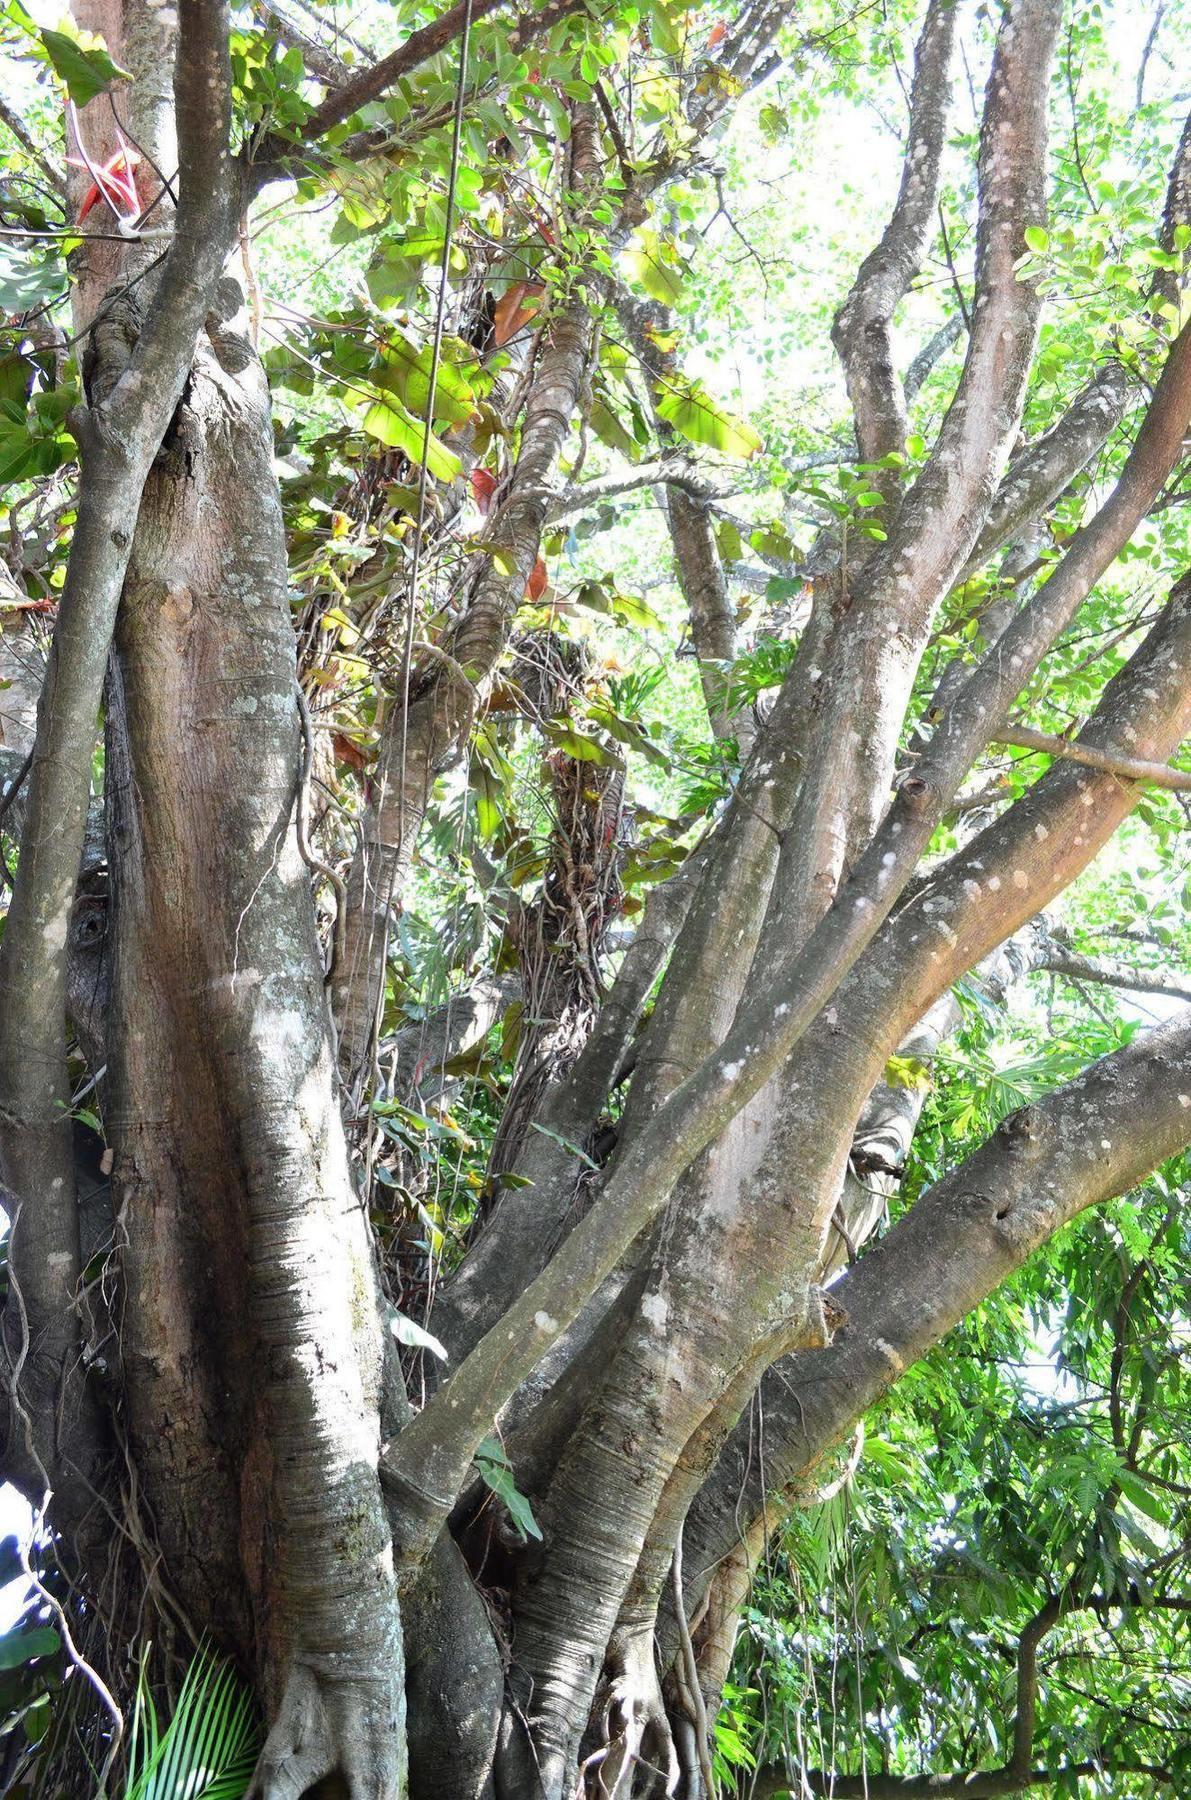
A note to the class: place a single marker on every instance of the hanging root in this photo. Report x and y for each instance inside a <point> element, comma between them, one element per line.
<point>635,1727</point>
<point>347,1726</point>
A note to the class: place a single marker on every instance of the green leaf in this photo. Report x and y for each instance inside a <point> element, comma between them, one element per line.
<point>386,419</point>
<point>652,265</point>
<point>1138,1494</point>
<point>634,611</point>
<point>690,409</point>
<point>610,431</point>
<point>405,371</point>
<point>408,1331</point>
<point>563,1143</point>
<point>1036,237</point>
<point>583,749</point>
<point>210,1746</point>
<point>23,1644</point>
<point>85,72</point>
<point>494,1469</point>
<point>26,283</point>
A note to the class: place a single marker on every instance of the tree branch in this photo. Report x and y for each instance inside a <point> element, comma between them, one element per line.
<point>132,399</point>
<point>974,1785</point>
<point>1001,879</point>
<point>1038,474</point>
<point>1083,968</point>
<point>321,62</point>
<point>1129,768</point>
<point>369,84</point>
<point>863,327</point>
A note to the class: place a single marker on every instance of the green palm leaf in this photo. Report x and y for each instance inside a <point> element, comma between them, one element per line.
<point>208,1749</point>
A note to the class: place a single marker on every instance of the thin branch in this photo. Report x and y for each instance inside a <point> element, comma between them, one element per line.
<point>369,84</point>
<point>935,347</point>
<point>320,61</point>
<point>972,1785</point>
<point>1147,52</point>
<point>1129,768</point>
<point>20,131</point>
<point>863,329</point>
<point>1132,981</point>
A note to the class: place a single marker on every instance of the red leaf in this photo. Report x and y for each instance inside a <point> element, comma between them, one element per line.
<point>515,309</point>
<point>483,485</point>
<point>538,581</point>
<point>347,752</point>
<point>718,34</point>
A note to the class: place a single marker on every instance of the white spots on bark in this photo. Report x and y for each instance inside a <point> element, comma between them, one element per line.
<point>655,1311</point>
<point>1185,1099</point>
<point>730,1070</point>
<point>543,1322</point>
<point>1041,833</point>
<point>54,934</point>
<point>1106,1143</point>
<point>1021,880</point>
<point>972,889</point>
<point>895,1361</point>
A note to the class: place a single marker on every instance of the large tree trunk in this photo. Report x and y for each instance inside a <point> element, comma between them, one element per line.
<point>253,1352</point>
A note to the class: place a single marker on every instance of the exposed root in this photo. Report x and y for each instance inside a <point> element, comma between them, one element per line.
<point>636,1728</point>
<point>344,1726</point>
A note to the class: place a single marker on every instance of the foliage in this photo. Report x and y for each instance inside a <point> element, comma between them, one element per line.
<point>209,1747</point>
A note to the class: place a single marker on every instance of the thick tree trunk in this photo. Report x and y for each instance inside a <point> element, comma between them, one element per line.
<point>252,1348</point>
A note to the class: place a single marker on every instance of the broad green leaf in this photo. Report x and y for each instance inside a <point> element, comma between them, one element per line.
<point>86,72</point>
<point>653,265</point>
<point>24,1643</point>
<point>583,749</point>
<point>690,409</point>
<point>25,282</point>
<point>405,371</point>
<point>408,1331</point>
<point>386,419</point>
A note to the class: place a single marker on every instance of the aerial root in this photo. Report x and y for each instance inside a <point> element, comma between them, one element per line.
<point>636,1729</point>
<point>332,1725</point>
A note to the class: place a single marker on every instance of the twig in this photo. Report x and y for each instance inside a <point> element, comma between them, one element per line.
<point>21,133</point>
<point>17,783</point>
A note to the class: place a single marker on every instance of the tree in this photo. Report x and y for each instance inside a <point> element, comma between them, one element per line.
<point>223,1372</point>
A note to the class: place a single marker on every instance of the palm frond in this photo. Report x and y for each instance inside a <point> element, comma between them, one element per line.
<point>208,1749</point>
